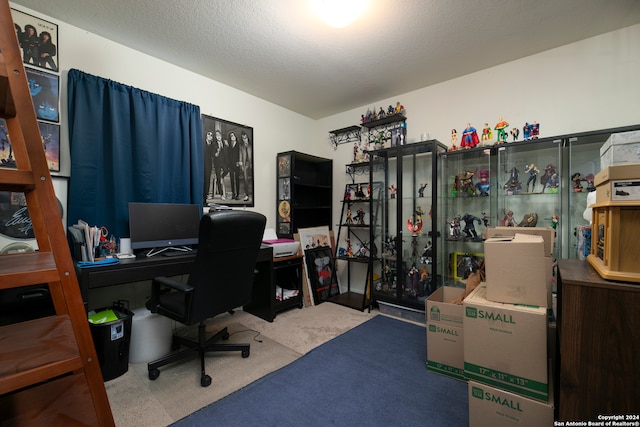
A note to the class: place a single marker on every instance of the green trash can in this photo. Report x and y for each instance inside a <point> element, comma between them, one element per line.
<point>111,332</point>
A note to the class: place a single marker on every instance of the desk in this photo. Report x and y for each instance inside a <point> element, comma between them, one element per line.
<point>599,343</point>
<point>140,269</point>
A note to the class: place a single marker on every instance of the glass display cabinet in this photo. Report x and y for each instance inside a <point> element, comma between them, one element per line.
<point>529,184</point>
<point>467,180</point>
<point>406,225</point>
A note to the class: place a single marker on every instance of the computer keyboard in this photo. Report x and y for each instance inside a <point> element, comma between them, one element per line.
<point>178,253</point>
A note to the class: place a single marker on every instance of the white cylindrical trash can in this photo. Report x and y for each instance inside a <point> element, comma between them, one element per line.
<point>151,336</point>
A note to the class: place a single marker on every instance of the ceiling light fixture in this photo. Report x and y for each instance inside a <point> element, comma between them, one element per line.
<point>339,13</point>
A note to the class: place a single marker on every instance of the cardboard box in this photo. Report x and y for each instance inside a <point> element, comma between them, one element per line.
<point>439,309</point>
<point>491,406</point>
<point>445,351</point>
<point>620,148</point>
<point>547,234</point>
<point>618,184</point>
<point>505,345</point>
<point>518,270</point>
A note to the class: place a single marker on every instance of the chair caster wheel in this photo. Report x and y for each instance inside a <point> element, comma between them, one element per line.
<point>205,381</point>
<point>154,374</point>
<point>245,354</point>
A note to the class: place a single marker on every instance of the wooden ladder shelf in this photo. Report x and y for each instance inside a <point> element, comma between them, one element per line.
<point>49,372</point>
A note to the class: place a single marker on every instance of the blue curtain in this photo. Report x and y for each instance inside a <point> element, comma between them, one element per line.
<point>128,145</point>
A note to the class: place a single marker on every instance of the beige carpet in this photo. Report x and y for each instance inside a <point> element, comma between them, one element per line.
<point>137,401</point>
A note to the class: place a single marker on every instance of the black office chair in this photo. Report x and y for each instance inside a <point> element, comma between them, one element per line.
<point>221,280</point>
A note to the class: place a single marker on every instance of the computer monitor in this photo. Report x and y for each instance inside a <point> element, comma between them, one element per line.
<point>163,226</point>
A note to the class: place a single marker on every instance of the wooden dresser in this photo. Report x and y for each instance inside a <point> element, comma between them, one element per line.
<point>598,367</point>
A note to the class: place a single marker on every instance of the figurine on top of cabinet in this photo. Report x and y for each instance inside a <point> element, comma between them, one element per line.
<point>526,132</point>
<point>390,110</point>
<point>483,185</point>
<point>535,130</point>
<point>469,137</point>
<point>486,133</point>
<point>399,108</point>
<point>576,178</point>
<point>501,131</point>
<point>515,133</point>
<point>382,114</point>
<point>454,140</point>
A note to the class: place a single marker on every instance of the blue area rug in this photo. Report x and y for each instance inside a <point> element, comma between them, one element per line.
<point>374,375</point>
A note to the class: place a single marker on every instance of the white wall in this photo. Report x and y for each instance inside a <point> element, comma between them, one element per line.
<point>588,85</point>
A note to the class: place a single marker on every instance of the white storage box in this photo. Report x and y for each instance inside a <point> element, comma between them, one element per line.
<point>620,148</point>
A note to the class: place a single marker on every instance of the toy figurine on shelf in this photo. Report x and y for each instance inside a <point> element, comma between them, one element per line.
<point>526,131</point>
<point>513,184</point>
<point>469,228</point>
<point>515,133</point>
<point>390,110</point>
<point>555,220</point>
<point>362,250</point>
<point>347,193</point>
<point>529,220</point>
<point>485,219</point>
<point>355,152</point>
<point>483,185</point>
<point>454,140</point>
<point>360,217</point>
<point>507,220</point>
<point>414,280</point>
<point>464,184</point>
<point>359,193</point>
<point>381,113</point>
<point>576,178</point>
<point>454,228</point>
<point>550,179</point>
<point>589,178</point>
<point>349,251</point>
<point>469,137</point>
<point>501,131</point>
<point>392,191</point>
<point>399,108</point>
<point>533,171</point>
<point>486,133</point>
<point>427,253</point>
<point>421,190</point>
<point>414,223</point>
<point>535,130</point>
<point>348,219</point>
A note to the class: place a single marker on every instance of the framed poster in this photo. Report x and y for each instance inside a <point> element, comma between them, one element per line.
<point>44,89</point>
<point>228,168</point>
<point>38,40</point>
<point>51,143</point>
<point>320,268</point>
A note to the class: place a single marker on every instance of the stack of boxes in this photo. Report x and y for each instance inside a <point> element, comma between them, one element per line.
<point>506,321</point>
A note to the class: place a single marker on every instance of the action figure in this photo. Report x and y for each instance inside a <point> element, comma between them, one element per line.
<point>349,249</point>
<point>469,137</point>
<point>348,219</point>
<point>535,130</point>
<point>483,185</point>
<point>515,132</point>
<point>427,253</point>
<point>421,190</point>
<point>464,183</point>
<point>549,178</point>
<point>392,191</point>
<point>347,193</point>
<point>360,216</point>
<point>554,223</point>
<point>469,229</point>
<point>533,172</point>
<point>359,193</point>
<point>355,152</point>
<point>508,221</point>
<point>589,178</point>
<point>526,132</point>
<point>399,108</point>
<point>513,184</point>
<point>577,182</point>
<point>501,131</point>
<point>485,219</point>
<point>454,140</point>
<point>454,228</point>
<point>486,133</point>
<point>469,264</point>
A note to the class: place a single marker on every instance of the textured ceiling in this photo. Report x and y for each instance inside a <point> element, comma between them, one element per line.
<point>279,51</point>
